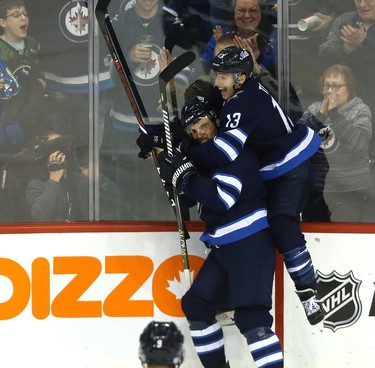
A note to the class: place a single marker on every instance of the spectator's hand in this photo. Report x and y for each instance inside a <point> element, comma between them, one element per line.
<point>164,58</point>
<point>245,44</point>
<point>254,45</point>
<point>140,53</point>
<point>218,32</point>
<point>251,44</point>
<point>352,37</point>
<point>327,21</point>
<point>240,42</point>
<point>56,166</point>
<point>329,103</point>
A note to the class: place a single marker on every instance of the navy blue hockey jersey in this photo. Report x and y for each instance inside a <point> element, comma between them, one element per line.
<point>231,200</point>
<point>254,117</point>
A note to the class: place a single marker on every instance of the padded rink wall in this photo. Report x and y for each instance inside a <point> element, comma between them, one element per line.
<point>344,258</point>
<point>79,296</point>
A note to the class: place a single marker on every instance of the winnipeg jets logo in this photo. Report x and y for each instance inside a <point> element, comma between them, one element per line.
<point>146,74</point>
<point>79,21</point>
<point>74,21</point>
<point>329,142</point>
<point>339,295</point>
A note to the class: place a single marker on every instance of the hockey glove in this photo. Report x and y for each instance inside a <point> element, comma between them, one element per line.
<point>146,142</point>
<point>176,170</point>
<point>186,145</point>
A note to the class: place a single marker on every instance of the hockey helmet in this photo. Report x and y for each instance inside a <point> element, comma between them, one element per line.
<point>161,343</point>
<point>233,59</point>
<point>197,109</point>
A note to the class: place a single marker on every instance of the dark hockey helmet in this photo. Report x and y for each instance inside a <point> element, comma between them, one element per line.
<point>161,343</point>
<point>233,59</point>
<point>197,109</point>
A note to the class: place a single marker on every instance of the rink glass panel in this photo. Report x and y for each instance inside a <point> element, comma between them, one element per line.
<point>119,186</point>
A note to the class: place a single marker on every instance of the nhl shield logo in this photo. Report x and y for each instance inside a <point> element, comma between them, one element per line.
<point>340,298</point>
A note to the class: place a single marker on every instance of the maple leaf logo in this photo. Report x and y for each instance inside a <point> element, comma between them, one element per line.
<point>177,287</point>
<point>79,21</point>
<point>148,67</point>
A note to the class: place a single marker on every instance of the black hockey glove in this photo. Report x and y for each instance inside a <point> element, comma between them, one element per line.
<point>186,145</point>
<point>146,142</point>
<point>175,170</point>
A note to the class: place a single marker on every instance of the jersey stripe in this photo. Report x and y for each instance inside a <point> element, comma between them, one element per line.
<point>238,229</point>
<point>300,153</point>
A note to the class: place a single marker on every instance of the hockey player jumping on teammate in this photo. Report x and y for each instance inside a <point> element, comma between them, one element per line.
<point>161,345</point>
<point>239,269</point>
<point>250,116</point>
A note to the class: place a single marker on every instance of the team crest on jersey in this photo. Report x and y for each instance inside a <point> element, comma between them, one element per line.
<point>74,21</point>
<point>340,298</point>
<point>329,142</point>
<point>146,74</point>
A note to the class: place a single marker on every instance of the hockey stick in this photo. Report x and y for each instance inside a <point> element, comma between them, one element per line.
<point>165,77</point>
<point>114,47</point>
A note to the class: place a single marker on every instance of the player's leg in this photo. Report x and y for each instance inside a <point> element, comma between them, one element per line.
<point>286,196</point>
<point>251,267</point>
<point>264,345</point>
<point>200,305</point>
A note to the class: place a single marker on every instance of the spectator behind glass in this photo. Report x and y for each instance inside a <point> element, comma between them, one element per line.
<point>342,163</point>
<point>140,33</point>
<point>62,28</point>
<point>53,194</point>
<point>21,113</point>
<point>329,10</point>
<point>304,45</point>
<point>59,185</point>
<point>253,25</point>
<point>351,41</point>
<point>22,105</point>
<point>161,345</point>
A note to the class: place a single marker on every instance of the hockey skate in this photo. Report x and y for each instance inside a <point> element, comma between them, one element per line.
<point>312,306</point>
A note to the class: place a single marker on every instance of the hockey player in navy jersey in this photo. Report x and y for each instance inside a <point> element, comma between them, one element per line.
<point>239,268</point>
<point>251,117</point>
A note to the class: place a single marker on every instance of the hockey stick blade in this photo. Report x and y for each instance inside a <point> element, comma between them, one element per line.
<point>176,66</point>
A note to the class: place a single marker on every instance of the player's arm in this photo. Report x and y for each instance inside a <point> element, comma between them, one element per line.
<point>218,192</point>
<point>221,150</point>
